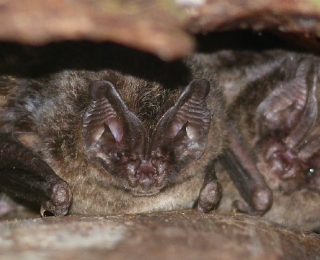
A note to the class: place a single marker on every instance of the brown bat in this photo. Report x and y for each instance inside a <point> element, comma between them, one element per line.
<point>272,104</point>
<point>106,142</point>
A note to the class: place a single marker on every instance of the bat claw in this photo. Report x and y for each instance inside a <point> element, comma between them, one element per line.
<point>210,195</point>
<point>240,206</point>
<point>60,202</point>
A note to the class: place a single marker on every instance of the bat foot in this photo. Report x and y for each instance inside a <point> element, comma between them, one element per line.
<point>260,203</point>
<point>262,198</point>
<point>60,201</point>
<point>210,195</point>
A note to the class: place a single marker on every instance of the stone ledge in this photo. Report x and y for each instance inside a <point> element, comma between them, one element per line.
<point>166,235</point>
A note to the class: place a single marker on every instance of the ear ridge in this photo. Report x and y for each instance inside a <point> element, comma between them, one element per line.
<point>310,112</point>
<point>98,113</point>
<point>191,112</point>
<point>290,97</point>
<point>108,123</point>
<point>196,112</point>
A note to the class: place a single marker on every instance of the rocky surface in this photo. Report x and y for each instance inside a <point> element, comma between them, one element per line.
<point>168,235</point>
<point>164,28</point>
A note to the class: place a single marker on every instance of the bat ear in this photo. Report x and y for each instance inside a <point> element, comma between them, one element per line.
<point>108,125</point>
<point>292,101</point>
<point>183,129</point>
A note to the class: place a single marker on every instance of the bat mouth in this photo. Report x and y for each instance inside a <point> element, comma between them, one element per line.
<point>140,192</point>
<point>145,194</point>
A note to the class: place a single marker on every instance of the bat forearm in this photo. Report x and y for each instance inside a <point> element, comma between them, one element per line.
<point>246,176</point>
<point>25,175</point>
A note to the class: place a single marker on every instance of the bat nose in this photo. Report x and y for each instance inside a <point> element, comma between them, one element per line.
<point>145,175</point>
<point>146,182</point>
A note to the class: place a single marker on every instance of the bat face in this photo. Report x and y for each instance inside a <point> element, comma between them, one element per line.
<point>116,138</point>
<point>287,131</point>
<point>114,143</point>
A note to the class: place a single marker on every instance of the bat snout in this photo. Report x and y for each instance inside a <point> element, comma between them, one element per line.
<point>146,182</point>
<point>147,179</point>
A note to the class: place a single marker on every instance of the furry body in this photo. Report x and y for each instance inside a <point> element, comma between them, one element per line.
<point>46,116</point>
<point>247,79</point>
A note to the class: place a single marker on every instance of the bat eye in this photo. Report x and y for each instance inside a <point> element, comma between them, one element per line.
<point>158,158</point>
<point>311,172</point>
<point>120,156</point>
<point>156,154</point>
<point>134,157</point>
<point>124,157</point>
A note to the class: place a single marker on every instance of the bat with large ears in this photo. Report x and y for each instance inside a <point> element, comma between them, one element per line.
<point>122,166</point>
<point>274,126</point>
<point>114,137</point>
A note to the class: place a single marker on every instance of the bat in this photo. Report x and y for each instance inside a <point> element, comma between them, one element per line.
<point>95,142</point>
<point>272,105</point>
<point>56,120</point>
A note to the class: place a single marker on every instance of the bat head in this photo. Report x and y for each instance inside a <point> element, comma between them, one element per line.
<point>288,130</point>
<point>115,138</point>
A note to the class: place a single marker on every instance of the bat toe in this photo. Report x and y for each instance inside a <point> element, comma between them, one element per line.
<point>60,202</point>
<point>210,196</point>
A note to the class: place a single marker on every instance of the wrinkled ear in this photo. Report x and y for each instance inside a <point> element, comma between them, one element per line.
<point>108,125</point>
<point>305,125</point>
<point>183,129</point>
<point>292,101</point>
